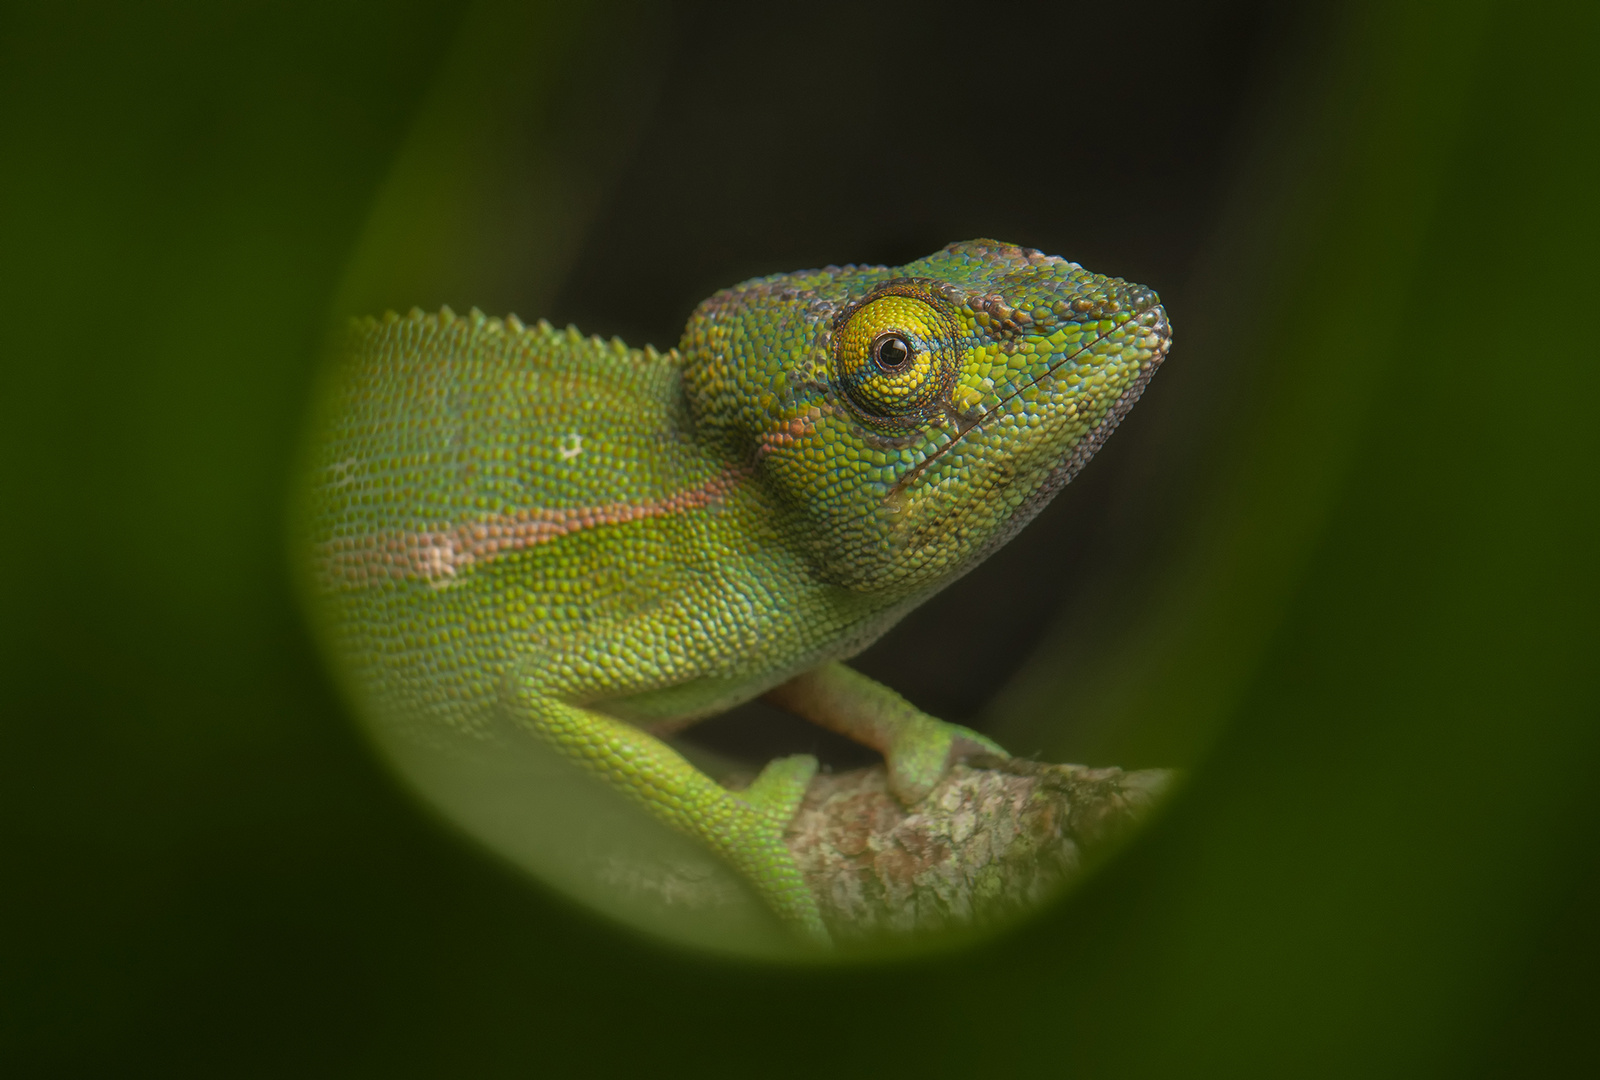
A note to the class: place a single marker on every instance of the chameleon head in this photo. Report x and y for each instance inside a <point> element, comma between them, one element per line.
<point>911,419</point>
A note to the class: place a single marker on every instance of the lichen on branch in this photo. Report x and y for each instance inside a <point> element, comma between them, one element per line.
<point>997,837</point>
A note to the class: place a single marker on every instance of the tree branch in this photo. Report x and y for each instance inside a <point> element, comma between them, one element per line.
<point>996,838</point>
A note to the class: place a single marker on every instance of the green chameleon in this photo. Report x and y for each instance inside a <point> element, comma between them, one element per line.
<point>602,544</point>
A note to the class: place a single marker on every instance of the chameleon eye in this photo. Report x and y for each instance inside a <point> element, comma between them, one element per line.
<point>894,356</point>
<point>891,353</point>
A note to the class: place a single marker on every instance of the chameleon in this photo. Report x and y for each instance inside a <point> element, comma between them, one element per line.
<point>600,545</point>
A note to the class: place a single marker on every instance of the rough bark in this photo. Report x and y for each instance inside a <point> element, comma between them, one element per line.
<point>996,838</point>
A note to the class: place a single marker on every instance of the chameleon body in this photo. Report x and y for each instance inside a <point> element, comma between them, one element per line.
<point>595,545</point>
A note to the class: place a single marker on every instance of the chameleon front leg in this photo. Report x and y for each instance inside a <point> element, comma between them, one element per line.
<point>917,747</point>
<point>746,828</point>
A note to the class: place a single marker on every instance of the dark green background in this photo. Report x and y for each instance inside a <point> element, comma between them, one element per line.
<point>1340,562</point>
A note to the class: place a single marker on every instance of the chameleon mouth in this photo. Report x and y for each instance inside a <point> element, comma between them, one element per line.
<point>1095,437</point>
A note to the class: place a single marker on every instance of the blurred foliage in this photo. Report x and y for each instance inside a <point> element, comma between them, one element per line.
<point>1302,303</point>
<point>1362,604</point>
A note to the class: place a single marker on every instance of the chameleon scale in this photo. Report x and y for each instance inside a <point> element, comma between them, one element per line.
<point>519,533</point>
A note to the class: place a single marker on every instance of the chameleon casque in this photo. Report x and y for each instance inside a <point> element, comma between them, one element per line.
<point>521,537</point>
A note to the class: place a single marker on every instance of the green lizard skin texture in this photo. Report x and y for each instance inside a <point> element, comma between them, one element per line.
<point>597,541</point>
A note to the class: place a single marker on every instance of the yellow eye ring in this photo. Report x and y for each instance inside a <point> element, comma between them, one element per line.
<point>894,354</point>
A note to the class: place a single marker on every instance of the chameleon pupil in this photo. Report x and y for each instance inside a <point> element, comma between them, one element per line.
<point>892,353</point>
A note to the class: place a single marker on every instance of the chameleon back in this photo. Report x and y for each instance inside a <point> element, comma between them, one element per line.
<point>479,493</point>
<point>456,453</point>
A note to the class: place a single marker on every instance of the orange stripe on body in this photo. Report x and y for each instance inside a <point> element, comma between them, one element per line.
<point>435,555</point>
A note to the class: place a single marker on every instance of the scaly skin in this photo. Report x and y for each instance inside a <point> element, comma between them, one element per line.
<point>596,541</point>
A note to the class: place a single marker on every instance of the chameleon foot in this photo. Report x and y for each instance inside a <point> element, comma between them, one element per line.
<point>756,845</point>
<point>918,748</point>
<point>781,786</point>
<point>745,827</point>
<point>924,752</point>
